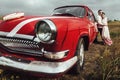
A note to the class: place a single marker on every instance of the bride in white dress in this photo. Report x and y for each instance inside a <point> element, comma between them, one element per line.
<point>105,32</point>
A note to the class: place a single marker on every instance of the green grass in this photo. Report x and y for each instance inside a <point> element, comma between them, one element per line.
<point>109,65</point>
<point>114,34</point>
<point>0,18</point>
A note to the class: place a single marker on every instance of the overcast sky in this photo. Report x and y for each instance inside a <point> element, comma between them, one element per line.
<point>45,7</point>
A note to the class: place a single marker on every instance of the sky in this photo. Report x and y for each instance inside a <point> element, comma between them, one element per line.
<point>46,7</point>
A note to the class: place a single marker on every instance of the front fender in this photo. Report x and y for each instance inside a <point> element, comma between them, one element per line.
<point>68,36</point>
<point>72,38</point>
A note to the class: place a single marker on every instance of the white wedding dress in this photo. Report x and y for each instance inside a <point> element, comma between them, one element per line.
<point>105,33</point>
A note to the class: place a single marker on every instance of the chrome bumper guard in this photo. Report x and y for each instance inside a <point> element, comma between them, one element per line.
<point>39,66</point>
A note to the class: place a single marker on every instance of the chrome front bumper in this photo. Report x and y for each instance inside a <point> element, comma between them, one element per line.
<point>39,66</point>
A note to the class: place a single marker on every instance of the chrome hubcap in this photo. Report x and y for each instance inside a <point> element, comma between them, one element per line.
<point>81,54</point>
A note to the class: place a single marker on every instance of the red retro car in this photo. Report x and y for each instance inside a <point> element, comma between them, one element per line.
<point>47,45</point>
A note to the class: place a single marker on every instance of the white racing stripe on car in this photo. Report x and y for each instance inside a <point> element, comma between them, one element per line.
<point>20,25</point>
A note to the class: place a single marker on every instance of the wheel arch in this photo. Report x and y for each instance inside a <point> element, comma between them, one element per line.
<point>86,41</point>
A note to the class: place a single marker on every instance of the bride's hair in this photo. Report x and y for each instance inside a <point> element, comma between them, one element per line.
<point>103,13</point>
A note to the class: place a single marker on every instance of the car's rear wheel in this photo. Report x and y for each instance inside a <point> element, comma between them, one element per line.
<point>81,56</point>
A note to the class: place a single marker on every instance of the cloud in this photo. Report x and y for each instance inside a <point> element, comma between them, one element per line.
<point>45,7</point>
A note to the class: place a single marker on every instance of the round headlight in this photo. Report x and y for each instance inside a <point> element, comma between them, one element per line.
<point>46,31</point>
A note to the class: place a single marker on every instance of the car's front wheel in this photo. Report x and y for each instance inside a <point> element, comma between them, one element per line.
<point>80,55</point>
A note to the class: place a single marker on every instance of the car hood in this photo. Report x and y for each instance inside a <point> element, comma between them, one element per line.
<point>26,25</point>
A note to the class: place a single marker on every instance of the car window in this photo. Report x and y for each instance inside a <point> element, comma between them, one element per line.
<point>76,11</point>
<point>90,16</point>
<point>80,12</point>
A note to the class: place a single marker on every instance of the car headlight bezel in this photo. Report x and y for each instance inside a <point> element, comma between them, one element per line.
<point>46,31</point>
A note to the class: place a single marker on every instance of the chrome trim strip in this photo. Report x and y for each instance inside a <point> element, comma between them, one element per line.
<point>17,35</point>
<point>40,66</point>
<point>24,36</point>
<point>3,33</point>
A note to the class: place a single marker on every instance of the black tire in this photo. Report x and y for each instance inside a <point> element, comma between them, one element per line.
<point>80,53</point>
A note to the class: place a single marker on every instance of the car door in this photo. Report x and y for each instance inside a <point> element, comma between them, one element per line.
<point>92,25</point>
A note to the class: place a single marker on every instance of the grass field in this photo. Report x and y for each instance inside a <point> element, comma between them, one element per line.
<point>101,62</point>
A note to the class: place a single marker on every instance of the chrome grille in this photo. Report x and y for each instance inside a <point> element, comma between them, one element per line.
<point>11,42</point>
<point>22,46</point>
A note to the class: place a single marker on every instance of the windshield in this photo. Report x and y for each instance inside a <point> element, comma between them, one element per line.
<point>74,11</point>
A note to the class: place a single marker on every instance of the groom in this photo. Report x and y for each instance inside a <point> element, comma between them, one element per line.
<point>99,25</point>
